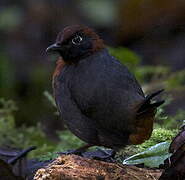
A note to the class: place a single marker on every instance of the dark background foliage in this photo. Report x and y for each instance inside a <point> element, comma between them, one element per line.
<point>152,33</point>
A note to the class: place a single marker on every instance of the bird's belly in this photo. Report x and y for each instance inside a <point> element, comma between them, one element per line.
<point>108,107</point>
<point>107,97</point>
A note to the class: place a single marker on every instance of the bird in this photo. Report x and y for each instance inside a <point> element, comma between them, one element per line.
<point>98,98</point>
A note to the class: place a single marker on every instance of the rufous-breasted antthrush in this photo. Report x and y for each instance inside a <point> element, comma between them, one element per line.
<point>99,100</point>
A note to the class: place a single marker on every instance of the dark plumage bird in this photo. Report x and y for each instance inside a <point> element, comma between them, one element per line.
<point>100,101</point>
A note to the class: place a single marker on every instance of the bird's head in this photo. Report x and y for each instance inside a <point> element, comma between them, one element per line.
<point>76,42</point>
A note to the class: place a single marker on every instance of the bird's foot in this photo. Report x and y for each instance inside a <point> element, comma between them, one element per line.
<point>72,151</point>
<point>78,151</point>
<point>101,154</point>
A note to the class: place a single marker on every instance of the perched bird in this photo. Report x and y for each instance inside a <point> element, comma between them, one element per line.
<point>99,100</point>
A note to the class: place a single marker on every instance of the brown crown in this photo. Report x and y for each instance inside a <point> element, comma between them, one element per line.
<point>71,30</point>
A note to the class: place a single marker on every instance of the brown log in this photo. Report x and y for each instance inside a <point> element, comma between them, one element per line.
<point>73,167</point>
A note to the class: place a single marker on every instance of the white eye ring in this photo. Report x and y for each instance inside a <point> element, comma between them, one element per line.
<point>76,40</point>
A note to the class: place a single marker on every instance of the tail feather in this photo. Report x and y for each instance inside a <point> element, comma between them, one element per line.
<point>147,103</point>
<point>157,104</point>
<point>150,96</point>
<point>145,119</point>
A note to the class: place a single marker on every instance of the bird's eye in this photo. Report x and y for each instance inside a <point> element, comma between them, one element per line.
<point>76,40</point>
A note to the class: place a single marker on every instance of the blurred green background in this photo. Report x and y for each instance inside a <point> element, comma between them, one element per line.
<point>147,36</point>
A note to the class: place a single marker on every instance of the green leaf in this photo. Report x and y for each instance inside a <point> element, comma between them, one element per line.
<point>10,18</point>
<point>176,80</point>
<point>152,157</point>
<point>126,56</point>
<point>50,98</point>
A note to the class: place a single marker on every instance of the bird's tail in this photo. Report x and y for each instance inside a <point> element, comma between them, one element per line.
<point>146,105</point>
<point>144,119</point>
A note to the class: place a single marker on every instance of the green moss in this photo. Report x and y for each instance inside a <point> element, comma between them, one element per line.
<point>158,135</point>
<point>169,122</point>
<point>20,137</point>
<point>68,141</point>
<point>150,73</point>
<point>23,137</point>
<point>175,121</point>
<point>7,78</point>
<point>126,56</point>
<point>7,121</point>
<point>176,80</point>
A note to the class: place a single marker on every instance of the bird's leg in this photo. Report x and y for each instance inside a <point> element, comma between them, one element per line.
<point>82,149</point>
<point>101,154</point>
<point>78,151</point>
<point>108,154</point>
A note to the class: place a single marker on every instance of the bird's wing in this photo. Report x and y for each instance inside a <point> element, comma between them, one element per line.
<point>124,94</point>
